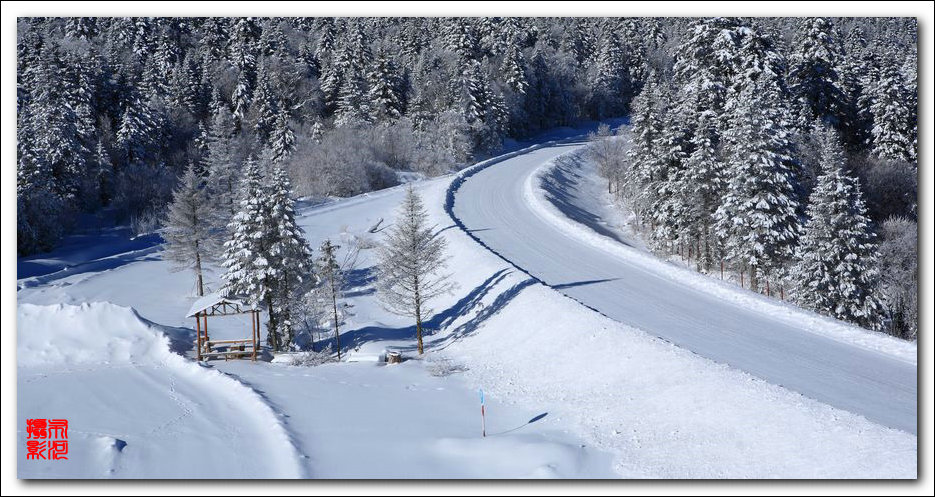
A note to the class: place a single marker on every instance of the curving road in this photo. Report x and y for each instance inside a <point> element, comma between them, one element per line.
<point>490,204</point>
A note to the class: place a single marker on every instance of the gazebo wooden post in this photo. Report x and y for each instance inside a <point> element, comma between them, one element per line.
<point>207,340</point>
<point>198,333</point>
<point>253,332</point>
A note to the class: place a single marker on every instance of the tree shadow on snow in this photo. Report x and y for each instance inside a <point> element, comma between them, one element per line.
<point>359,282</point>
<point>560,185</point>
<point>471,302</point>
<point>527,423</point>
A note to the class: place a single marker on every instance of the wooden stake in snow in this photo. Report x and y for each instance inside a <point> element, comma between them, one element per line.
<point>483,414</point>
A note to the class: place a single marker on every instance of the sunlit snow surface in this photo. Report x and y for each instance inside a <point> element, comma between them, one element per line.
<point>570,393</point>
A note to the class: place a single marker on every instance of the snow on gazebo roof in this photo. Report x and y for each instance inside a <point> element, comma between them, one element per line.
<point>212,299</point>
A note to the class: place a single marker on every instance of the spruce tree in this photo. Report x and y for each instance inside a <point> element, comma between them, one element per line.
<point>893,124</point>
<point>290,258</point>
<point>701,187</point>
<point>513,70</point>
<point>758,216</point>
<point>267,259</point>
<point>645,152</point>
<point>332,273</point>
<point>264,108</point>
<point>386,99</point>
<point>282,138</point>
<point>814,73</point>
<point>609,84</point>
<point>220,163</point>
<point>835,270</point>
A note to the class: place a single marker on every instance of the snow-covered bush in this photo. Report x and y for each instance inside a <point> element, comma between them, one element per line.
<point>443,366</point>
<point>305,358</point>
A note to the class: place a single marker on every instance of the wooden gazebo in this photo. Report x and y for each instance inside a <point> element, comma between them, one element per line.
<point>218,305</point>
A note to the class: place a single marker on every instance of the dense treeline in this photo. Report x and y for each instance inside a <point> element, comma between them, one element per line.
<point>787,152</point>
<point>111,111</point>
<point>118,113</point>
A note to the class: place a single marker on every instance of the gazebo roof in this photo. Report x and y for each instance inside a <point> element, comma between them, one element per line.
<point>211,301</point>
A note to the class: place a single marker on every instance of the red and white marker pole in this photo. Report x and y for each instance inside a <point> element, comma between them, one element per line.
<point>483,414</point>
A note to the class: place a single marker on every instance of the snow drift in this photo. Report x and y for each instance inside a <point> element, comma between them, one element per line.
<point>135,408</point>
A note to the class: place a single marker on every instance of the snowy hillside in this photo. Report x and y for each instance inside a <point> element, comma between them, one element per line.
<point>570,392</point>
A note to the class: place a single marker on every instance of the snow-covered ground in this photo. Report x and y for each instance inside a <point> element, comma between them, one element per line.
<point>570,392</point>
<point>136,408</point>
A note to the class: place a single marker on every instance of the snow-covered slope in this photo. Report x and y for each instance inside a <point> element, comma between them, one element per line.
<point>616,400</point>
<point>135,408</point>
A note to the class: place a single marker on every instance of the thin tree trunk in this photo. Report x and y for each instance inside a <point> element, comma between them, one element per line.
<point>419,328</point>
<point>201,285</point>
<point>271,334</point>
<point>334,308</point>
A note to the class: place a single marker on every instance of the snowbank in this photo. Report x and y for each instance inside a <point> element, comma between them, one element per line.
<point>100,333</point>
<point>815,323</point>
<point>113,375</point>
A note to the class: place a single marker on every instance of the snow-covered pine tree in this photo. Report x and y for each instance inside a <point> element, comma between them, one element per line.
<point>57,141</point>
<point>814,71</point>
<point>668,204</point>
<point>835,270</point>
<point>83,28</point>
<point>326,36</point>
<point>267,259</point>
<point>892,118</point>
<point>909,71</point>
<point>483,107</point>
<point>220,163</point>
<point>705,61</point>
<point>290,258</point>
<point>332,77</point>
<point>38,208</point>
<point>104,174</point>
<point>460,38</point>
<point>192,229</point>
<point>242,49</point>
<point>609,82</point>
<point>701,186</point>
<point>332,273</point>
<point>264,109</point>
<point>272,39</point>
<point>352,108</point>
<point>513,69</point>
<point>137,134</point>
<point>282,138</point>
<point>647,129</point>
<point>386,97</point>
<point>246,254</point>
<point>241,97</point>
<point>215,37</point>
<point>410,261</point>
<point>757,220</point>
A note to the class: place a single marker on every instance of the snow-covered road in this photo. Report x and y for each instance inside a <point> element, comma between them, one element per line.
<point>492,206</point>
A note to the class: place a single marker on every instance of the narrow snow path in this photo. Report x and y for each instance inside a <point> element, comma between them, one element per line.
<point>493,206</point>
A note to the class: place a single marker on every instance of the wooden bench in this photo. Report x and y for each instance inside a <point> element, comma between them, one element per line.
<point>234,348</point>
